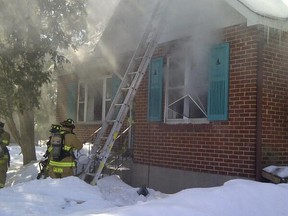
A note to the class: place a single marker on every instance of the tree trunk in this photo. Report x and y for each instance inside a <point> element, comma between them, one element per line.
<point>22,130</point>
<point>23,134</point>
<point>26,120</point>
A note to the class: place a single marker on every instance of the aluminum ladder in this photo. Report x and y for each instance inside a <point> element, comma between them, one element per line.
<point>125,95</point>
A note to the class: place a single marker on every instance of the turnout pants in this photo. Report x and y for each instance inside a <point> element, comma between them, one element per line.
<point>3,171</point>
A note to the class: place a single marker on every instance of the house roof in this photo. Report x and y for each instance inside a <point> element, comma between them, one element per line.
<point>183,18</point>
<point>276,9</point>
<point>125,26</point>
<point>130,17</point>
<point>271,13</point>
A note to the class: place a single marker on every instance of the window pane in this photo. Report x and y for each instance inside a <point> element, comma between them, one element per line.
<point>81,102</point>
<point>108,104</point>
<point>94,101</point>
<point>98,98</point>
<point>108,89</point>
<point>176,72</point>
<point>175,94</point>
<point>98,108</point>
<point>175,103</point>
<point>81,112</point>
<point>81,92</point>
<point>175,110</point>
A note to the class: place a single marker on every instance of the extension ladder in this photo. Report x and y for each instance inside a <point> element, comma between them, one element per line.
<point>125,95</point>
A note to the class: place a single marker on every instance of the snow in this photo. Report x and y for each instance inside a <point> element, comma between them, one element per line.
<point>270,8</point>
<point>25,195</point>
<point>280,171</point>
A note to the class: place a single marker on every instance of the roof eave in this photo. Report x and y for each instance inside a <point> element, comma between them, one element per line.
<point>256,19</point>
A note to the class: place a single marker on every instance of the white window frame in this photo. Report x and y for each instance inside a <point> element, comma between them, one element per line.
<point>85,87</point>
<point>104,99</point>
<point>184,120</point>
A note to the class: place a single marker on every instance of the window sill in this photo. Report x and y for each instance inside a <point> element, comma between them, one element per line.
<point>187,121</point>
<point>89,123</point>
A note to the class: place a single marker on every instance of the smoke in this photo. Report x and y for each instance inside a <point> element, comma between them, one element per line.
<point>99,13</point>
<point>199,23</point>
<point>285,2</point>
<point>120,25</point>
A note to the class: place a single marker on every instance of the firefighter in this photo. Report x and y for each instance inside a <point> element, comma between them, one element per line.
<point>4,154</point>
<point>62,160</point>
<point>43,164</point>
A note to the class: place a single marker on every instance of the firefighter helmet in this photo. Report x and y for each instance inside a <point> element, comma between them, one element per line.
<point>69,123</point>
<point>55,128</point>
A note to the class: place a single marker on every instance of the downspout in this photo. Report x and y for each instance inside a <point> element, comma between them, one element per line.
<point>259,107</point>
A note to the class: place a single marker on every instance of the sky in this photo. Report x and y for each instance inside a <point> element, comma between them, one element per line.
<point>24,195</point>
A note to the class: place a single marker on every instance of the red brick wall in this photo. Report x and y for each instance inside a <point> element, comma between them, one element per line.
<point>227,147</point>
<point>275,98</point>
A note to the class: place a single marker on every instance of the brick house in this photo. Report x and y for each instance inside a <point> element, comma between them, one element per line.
<point>213,103</point>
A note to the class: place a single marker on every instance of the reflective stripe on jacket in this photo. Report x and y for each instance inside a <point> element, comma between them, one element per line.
<point>5,138</point>
<point>67,148</point>
<point>62,164</point>
<point>6,142</point>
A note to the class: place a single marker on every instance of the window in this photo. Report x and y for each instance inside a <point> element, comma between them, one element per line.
<point>185,96</point>
<point>197,91</point>
<point>94,99</point>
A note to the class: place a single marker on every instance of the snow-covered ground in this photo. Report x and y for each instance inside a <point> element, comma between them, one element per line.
<point>25,195</point>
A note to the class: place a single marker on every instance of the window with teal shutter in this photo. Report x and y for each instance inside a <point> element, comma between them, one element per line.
<point>219,83</point>
<point>155,90</point>
<point>71,100</point>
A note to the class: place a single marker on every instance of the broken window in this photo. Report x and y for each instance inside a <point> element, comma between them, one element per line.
<point>197,86</point>
<point>184,98</point>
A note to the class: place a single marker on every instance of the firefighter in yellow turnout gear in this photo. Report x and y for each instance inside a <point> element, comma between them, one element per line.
<point>4,154</point>
<point>62,160</point>
<point>44,162</point>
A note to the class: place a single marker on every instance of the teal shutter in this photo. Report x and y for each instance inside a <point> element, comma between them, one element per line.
<point>71,100</point>
<point>219,83</point>
<point>155,90</point>
<point>115,85</point>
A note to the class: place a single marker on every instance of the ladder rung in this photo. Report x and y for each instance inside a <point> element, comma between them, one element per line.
<point>138,58</point>
<point>119,104</point>
<point>133,73</point>
<point>126,88</point>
